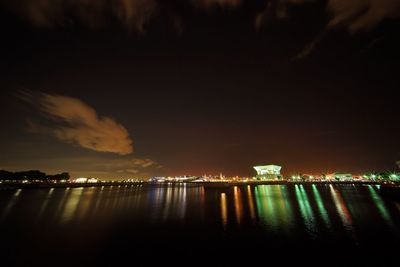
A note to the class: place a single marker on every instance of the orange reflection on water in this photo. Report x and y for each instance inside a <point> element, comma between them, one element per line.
<point>251,203</point>
<point>341,207</point>
<point>72,204</point>
<point>62,202</point>
<point>238,204</point>
<point>182,201</point>
<point>86,202</point>
<point>45,203</point>
<point>224,210</point>
<point>11,204</point>
<point>168,203</point>
<point>202,201</point>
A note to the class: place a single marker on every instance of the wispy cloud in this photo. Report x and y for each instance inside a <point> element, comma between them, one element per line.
<point>361,15</point>
<point>355,15</point>
<point>352,15</point>
<point>126,164</point>
<point>135,166</point>
<point>309,48</point>
<point>92,13</point>
<point>76,122</point>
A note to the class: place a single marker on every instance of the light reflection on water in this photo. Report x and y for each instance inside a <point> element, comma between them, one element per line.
<point>224,210</point>
<point>10,204</point>
<point>45,203</point>
<point>238,204</point>
<point>71,205</point>
<point>274,209</point>
<point>321,207</point>
<point>306,210</point>
<point>342,208</point>
<point>250,200</point>
<point>380,204</point>
<point>278,209</point>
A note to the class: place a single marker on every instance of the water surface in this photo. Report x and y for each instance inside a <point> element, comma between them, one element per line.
<point>108,225</point>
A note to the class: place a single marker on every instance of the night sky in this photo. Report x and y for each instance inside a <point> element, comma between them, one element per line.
<point>137,88</point>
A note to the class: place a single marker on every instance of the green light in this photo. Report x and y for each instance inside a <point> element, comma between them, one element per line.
<point>321,207</point>
<point>287,209</point>
<point>381,206</point>
<point>305,209</point>
<point>271,206</point>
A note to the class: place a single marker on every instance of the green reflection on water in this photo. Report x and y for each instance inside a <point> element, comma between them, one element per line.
<point>287,206</point>
<point>321,207</point>
<point>273,207</point>
<point>305,209</point>
<point>378,201</point>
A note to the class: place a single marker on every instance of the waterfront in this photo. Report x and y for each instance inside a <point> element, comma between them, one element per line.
<point>103,225</point>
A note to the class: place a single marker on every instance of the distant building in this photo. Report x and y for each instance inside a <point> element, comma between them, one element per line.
<point>81,180</point>
<point>343,176</point>
<point>268,172</point>
<point>157,179</point>
<point>178,179</point>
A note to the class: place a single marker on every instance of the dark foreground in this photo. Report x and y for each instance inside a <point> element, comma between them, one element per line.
<point>186,224</point>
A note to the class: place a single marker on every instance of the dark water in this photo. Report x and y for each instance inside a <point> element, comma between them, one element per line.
<point>143,225</point>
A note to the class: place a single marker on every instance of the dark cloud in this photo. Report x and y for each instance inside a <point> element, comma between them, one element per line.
<point>78,123</point>
<point>221,3</point>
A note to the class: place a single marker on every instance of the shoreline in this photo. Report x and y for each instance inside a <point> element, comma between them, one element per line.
<point>39,185</point>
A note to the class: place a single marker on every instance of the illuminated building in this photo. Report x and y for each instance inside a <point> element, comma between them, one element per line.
<point>157,179</point>
<point>268,172</point>
<point>343,176</point>
<point>179,179</point>
<point>81,180</point>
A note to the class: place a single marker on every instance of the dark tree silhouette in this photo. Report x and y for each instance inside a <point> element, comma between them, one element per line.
<point>32,175</point>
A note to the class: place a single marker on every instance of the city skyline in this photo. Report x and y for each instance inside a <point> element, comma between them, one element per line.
<point>184,88</point>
